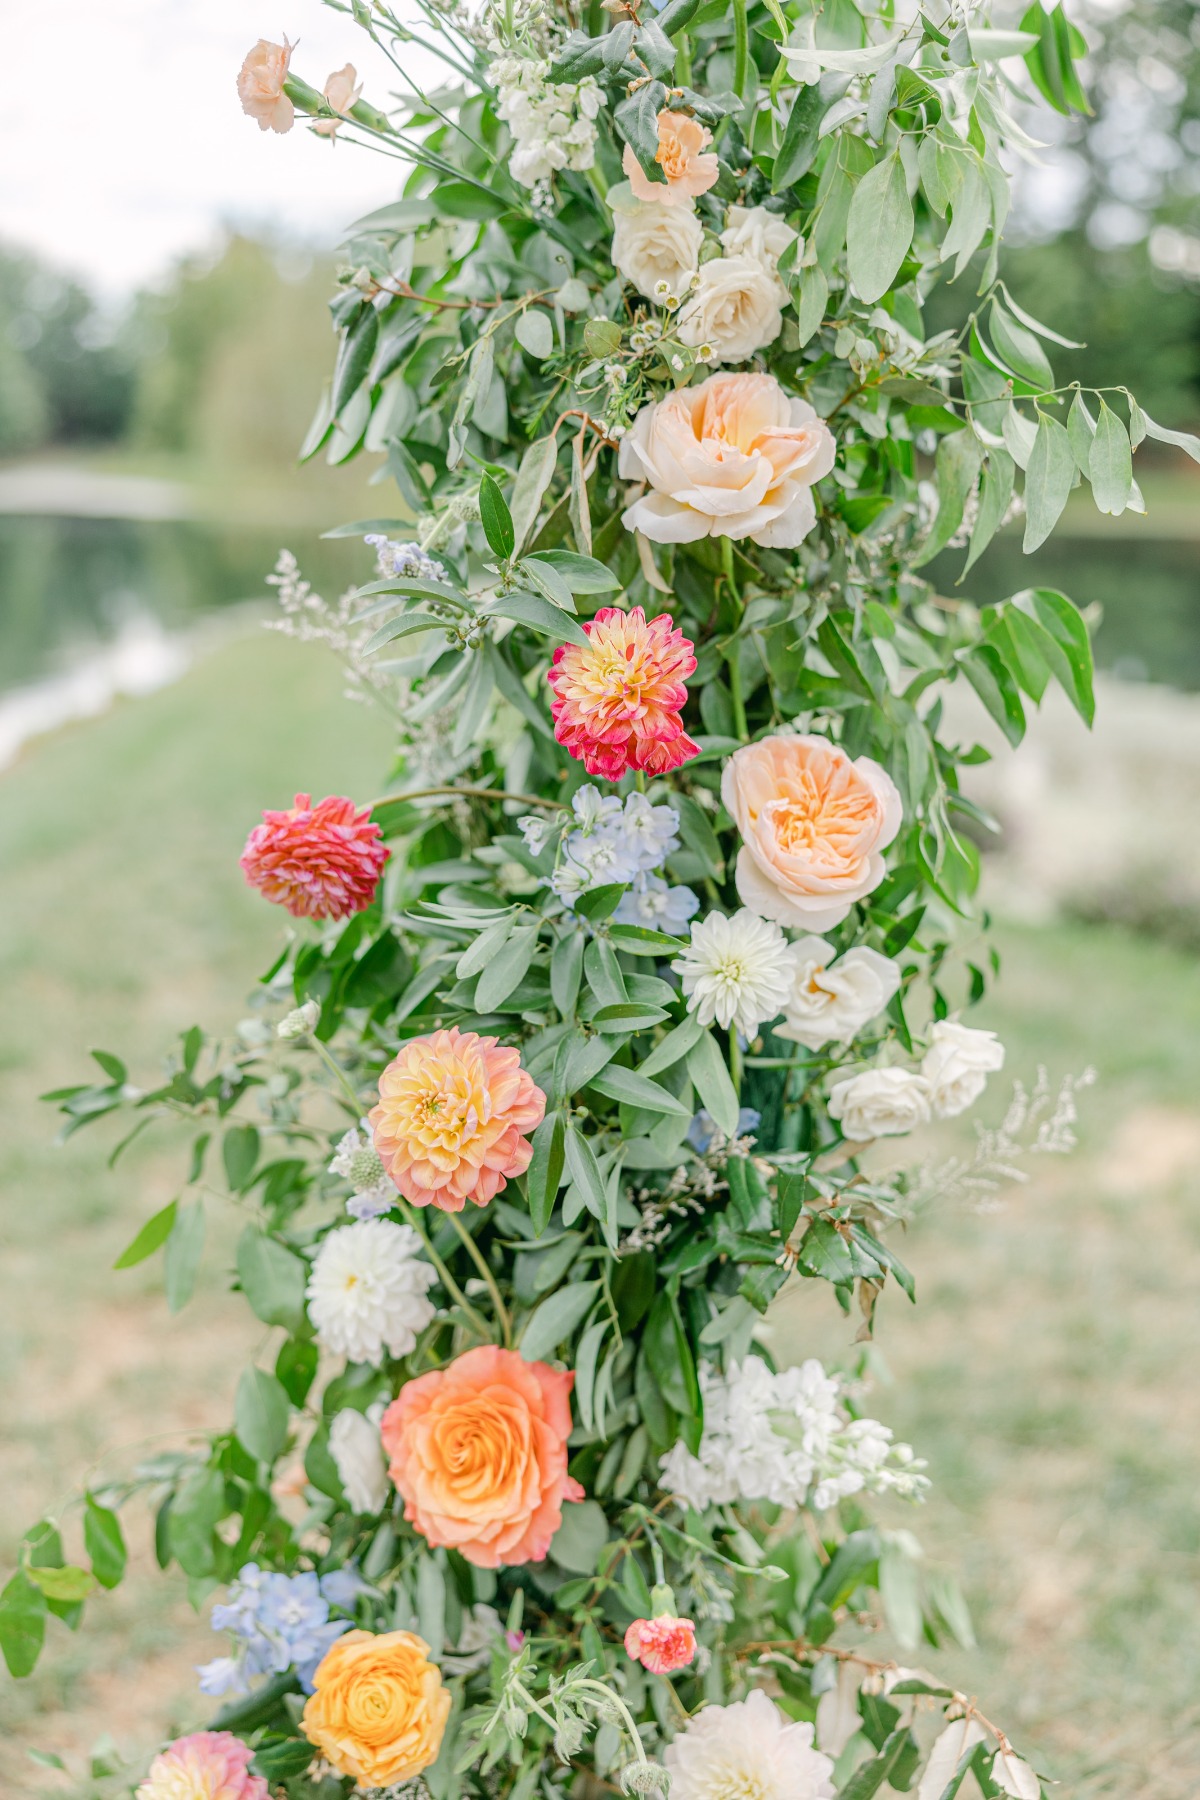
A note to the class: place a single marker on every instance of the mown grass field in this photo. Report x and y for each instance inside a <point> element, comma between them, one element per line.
<point>1048,1374</point>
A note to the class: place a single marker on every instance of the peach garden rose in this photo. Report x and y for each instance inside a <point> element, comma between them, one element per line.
<point>814,824</point>
<point>731,457</point>
<point>378,1710</point>
<point>479,1455</point>
<point>684,158</point>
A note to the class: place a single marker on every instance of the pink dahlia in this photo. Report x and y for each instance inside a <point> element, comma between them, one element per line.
<point>452,1110</point>
<point>321,862</point>
<point>617,702</point>
<point>662,1644</point>
<point>208,1765</point>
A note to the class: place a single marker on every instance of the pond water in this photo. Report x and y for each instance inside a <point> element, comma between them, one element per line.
<point>68,586</point>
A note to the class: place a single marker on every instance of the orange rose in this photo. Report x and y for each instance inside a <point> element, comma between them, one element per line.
<point>379,1709</point>
<point>479,1452</point>
<point>813,822</point>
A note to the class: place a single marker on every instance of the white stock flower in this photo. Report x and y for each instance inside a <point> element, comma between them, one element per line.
<point>367,1290</point>
<point>735,970</point>
<point>832,997</point>
<point>753,231</point>
<point>957,1065</point>
<point>653,244</point>
<point>747,1751</point>
<point>552,123</point>
<point>880,1103</point>
<point>735,309</point>
<point>357,1451</point>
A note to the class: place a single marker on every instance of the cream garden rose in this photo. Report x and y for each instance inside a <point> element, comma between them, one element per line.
<point>880,1103</point>
<point>755,232</point>
<point>957,1065</point>
<point>732,457</point>
<point>736,309</point>
<point>832,997</point>
<point>654,244</point>
<point>814,825</point>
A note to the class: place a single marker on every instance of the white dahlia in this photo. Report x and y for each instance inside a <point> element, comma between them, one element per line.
<point>748,1751</point>
<point>367,1290</point>
<point>736,971</point>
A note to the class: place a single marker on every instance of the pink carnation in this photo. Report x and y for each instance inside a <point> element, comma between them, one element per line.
<point>208,1765</point>
<point>617,702</point>
<point>321,862</point>
<point>452,1110</point>
<point>661,1645</point>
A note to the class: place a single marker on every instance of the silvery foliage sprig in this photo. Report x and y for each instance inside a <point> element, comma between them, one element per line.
<point>574,1705</point>
<point>1038,1122</point>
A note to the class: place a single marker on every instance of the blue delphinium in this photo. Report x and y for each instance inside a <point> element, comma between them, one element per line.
<point>279,1622</point>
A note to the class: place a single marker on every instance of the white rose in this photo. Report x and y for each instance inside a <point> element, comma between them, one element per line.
<point>957,1065</point>
<point>655,243</point>
<point>829,1002</point>
<point>880,1103</point>
<point>357,1451</point>
<point>753,231</point>
<point>735,309</point>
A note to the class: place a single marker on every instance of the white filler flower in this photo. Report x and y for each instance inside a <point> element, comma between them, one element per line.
<point>357,1450</point>
<point>357,1161</point>
<point>748,1751</point>
<point>832,997</point>
<point>735,971</point>
<point>957,1065</point>
<point>880,1103</point>
<point>367,1290</point>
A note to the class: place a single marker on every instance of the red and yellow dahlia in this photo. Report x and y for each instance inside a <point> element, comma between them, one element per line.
<point>617,702</point>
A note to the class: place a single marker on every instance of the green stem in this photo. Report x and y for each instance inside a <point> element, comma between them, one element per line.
<point>735,1062</point>
<point>733,655</point>
<point>445,1277</point>
<point>340,1076</point>
<point>741,49</point>
<point>477,1257</point>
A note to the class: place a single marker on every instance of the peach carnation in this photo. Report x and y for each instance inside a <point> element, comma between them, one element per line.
<point>379,1708</point>
<point>341,90</point>
<point>813,823</point>
<point>617,703</point>
<point>682,142</point>
<point>452,1110</point>
<point>260,85</point>
<point>731,457</point>
<point>321,862</point>
<point>478,1452</point>
<point>207,1765</point>
<point>661,1644</point>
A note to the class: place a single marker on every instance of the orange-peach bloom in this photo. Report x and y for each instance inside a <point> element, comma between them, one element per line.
<point>378,1710</point>
<point>616,704</point>
<point>662,1644</point>
<point>682,144</point>
<point>260,85</point>
<point>478,1452</point>
<point>733,457</point>
<point>452,1110</point>
<point>814,823</point>
<point>341,92</point>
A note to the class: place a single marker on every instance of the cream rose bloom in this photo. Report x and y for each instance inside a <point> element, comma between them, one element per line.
<point>682,144</point>
<point>814,825</point>
<point>260,85</point>
<point>732,457</point>
<point>832,997</point>
<point>753,231</point>
<point>880,1103</point>
<point>957,1065</point>
<point>734,310</point>
<point>653,244</point>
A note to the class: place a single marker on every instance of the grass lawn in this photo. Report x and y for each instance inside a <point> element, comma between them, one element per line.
<point>1048,1374</point>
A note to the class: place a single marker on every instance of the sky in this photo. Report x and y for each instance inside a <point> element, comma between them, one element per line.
<point>123,144</point>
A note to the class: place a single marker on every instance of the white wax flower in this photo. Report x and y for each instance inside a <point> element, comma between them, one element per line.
<point>832,997</point>
<point>734,309</point>
<point>735,970</point>
<point>747,1751</point>
<point>653,244</point>
<point>367,1290</point>
<point>880,1103</point>
<point>957,1065</point>
<point>357,1451</point>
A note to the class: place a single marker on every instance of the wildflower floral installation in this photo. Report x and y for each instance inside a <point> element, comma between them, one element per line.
<point>578,1041</point>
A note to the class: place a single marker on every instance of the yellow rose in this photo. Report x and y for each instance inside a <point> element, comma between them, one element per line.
<point>379,1709</point>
